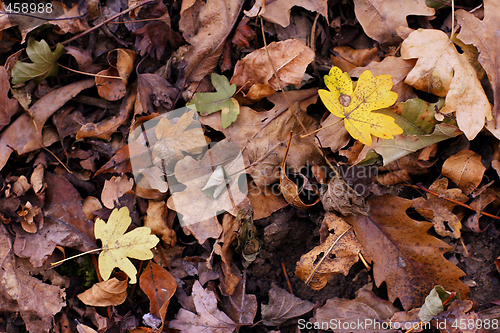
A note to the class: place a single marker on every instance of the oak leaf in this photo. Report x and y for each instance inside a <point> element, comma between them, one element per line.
<point>483,34</point>
<point>405,256</point>
<point>118,245</point>
<point>380,18</point>
<point>442,71</point>
<point>355,107</point>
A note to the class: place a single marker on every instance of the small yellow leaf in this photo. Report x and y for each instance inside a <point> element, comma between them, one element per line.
<point>118,245</point>
<point>371,93</point>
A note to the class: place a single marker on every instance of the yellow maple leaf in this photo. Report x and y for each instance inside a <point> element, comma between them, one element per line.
<point>118,245</point>
<point>371,93</point>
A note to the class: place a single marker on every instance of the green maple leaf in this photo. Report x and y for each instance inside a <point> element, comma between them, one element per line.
<point>208,103</point>
<point>44,62</point>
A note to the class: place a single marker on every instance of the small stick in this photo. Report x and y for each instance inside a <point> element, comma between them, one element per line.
<point>283,267</point>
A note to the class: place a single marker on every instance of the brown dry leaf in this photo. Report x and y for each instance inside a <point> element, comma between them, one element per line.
<point>346,58</point>
<point>152,90</point>
<point>28,212</point>
<point>283,306</point>
<point>8,106</point>
<point>156,219</point>
<point>241,307</point>
<point>405,256</point>
<point>465,170</point>
<point>380,18</point>
<point>459,311</point>
<point>340,197</point>
<point>105,128</point>
<point>206,27</point>
<point>341,253</point>
<point>397,68</point>
<point>199,210</point>
<point>334,135</point>
<point>114,89</point>
<point>113,190</point>
<point>159,285</point>
<point>279,11</point>
<point>484,35</point>
<point>89,206</point>
<point>264,201</point>
<point>442,71</point>
<point>208,318</point>
<point>36,301</point>
<point>290,59</point>
<point>36,178</point>
<point>157,35</point>
<point>243,33</point>
<point>25,133</point>
<point>105,293</point>
<point>439,211</point>
<point>366,308</point>
<point>262,136</point>
<point>479,204</point>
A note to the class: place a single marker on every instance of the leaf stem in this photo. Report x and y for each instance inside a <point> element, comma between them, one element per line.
<point>73,257</point>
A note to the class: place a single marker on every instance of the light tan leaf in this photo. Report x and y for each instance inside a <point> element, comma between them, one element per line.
<point>405,256</point>
<point>25,133</point>
<point>105,293</point>
<point>439,211</point>
<point>380,18</point>
<point>465,169</point>
<point>114,189</point>
<point>484,35</point>
<point>442,71</point>
<point>289,58</point>
<point>341,253</point>
<point>397,68</point>
<point>334,135</point>
<point>279,11</point>
<point>283,306</point>
<point>208,318</point>
<point>156,219</point>
<point>114,89</point>
<point>366,308</point>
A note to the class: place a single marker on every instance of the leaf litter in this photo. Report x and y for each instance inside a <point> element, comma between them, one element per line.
<point>241,216</point>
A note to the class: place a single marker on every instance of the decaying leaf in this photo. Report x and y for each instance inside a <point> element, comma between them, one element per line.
<point>118,245</point>
<point>159,285</point>
<point>279,11</point>
<point>153,91</point>
<point>255,72</point>
<point>156,219</point>
<point>336,255</point>
<point>105,293</point>
<point>355,107</point>
<point>433,304</point>
<point>44,62</point>
<point>283,306</point>
<point>442,71</point>
<point>113,190</point>
<point>8,106</point>
<point>380,18</point>
<point>465,169</point>
<point>208,318</point>
<point>408,259</point>
<point>366,308</point>
<point>340,197</point>
<point>439,210</point>
<point>113,89</point>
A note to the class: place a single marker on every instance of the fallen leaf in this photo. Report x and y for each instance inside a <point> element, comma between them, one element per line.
<point>118,245</point>
<point>433,304</point>
<point>482,34</point>
<point>198,210</point>
<point>44,62</point>
<point>439,211</point>
<point>366,309</point>
<point>112,292</point>
<point>159,285</point>
<point>24,134</point>
<point>241,307</point>
<point>207,30</point>
<point>262,136</point>
<point>465,169</point>
<point>156,219</point>
<point>340,197</point>
<point>442,71</point>
<point>459,311</point>
<point>283,306</point>
<point>153,91</point>
<point>371,93</point>
<point>119,163</point>
<point>37,302</point>
<point>264,201</point>
<point>290,59</point>
<point>112,89</point>
<point>113,190</point>
<point>208,318</point>
<point>243,33</point>
<point>8,106</point>
<point>405,256</point>
<point>334,134</point>
<point>380,18</point>
<point>340,250</point>
<point>397,68</point>
<point>347,59</point>
<point>208,103</point>
<point>279,11</point>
